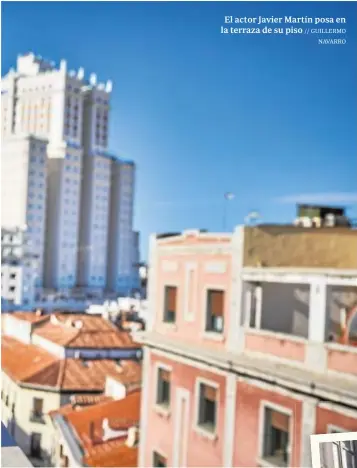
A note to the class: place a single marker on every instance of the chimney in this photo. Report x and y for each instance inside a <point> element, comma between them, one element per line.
<point>133,436</point>
<point>93,79</point>
<point>80,73</point>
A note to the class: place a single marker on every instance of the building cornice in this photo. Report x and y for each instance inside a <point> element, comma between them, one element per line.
<point>301,382</point>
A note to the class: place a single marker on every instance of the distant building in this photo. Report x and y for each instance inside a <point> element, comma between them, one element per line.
<point>243,358</point>
<point>20,276</point>
<point>60,181</point>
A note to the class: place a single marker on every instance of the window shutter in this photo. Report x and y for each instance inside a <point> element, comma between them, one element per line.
<point>217,303</point>
<point>38,405</point>
<point>165,375</point>
<point>209,393</point>
<point>280,421</point>
<point>171,298</point>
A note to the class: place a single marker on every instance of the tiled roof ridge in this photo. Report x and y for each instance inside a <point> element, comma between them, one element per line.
<point>30,378</point>
<point>74,337</point>
<point>61,373</point>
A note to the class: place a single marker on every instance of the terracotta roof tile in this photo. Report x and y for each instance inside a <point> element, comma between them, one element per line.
<point>79,402</point>
<point>119,456</point>
<point>88,400</point>
<point>84,331</point>
<point>33,365</point>
<point>113,452</point>
<point>23,361</point>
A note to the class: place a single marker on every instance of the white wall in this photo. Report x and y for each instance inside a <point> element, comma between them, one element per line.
<point>18,329</point>
<point>285,308</point>
<point>23,401</point>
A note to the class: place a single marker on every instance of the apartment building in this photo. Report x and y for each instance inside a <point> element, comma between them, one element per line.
<point>23,213</point>
<point>19,267</point>
<point>243,354</point>
<point>67,118</point>
<point>49,361</point>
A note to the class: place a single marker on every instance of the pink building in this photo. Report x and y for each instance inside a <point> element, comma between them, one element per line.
<point>243,358</point>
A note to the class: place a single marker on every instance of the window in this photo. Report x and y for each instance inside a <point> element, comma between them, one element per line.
<point>170,304</point>
<point>35,446</point>
<point>159,460</point>
<point>215,308</point>
<point>163,387</point>
<point>207,407</point>
<point>276,437</point>
<point>37,411</point>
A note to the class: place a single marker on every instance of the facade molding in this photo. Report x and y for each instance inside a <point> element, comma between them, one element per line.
<point>144,409</point>
<point>207,249</point>
<point>308,427</point>
<point>189,315</point>
<point>226,365</point>
<point>229,420</point>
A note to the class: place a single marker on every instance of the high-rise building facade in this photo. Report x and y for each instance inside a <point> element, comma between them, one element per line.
<point>69,116</point>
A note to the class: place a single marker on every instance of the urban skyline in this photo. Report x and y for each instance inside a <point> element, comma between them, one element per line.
<point>177,79</point>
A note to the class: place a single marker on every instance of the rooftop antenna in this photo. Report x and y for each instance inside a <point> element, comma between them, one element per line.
<point>228,196</point>
<point>252,218</point>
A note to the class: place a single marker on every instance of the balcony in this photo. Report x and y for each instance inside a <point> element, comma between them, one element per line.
<point>37,417</point>
<point>11,454</point>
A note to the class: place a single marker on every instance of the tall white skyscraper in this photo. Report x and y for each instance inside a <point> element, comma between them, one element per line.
<point>66,117</point>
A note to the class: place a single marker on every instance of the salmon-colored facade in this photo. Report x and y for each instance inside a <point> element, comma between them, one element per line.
<point>242,363</point>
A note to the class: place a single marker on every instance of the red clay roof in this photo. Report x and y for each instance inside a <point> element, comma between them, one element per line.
<point>84,331</point>
<point>31,364</point>
<point>113,452</point>
<point>79,402</point>
<point>22,361</point>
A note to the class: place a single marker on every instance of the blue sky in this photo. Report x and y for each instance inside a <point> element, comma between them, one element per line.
<point>271,118</point>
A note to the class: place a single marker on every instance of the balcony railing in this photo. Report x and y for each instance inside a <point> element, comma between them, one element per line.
<point>37,417</point>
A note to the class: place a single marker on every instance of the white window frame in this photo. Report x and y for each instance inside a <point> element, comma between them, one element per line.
<point>159,452</point>
<point>257,292</point>
<point>165,411</point>
<point>212,335</point>
<point>190,267</point>
<point>196,427</point>
<point>173,284</point>
<point>281,409</point>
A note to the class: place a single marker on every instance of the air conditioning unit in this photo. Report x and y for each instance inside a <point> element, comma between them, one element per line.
<point>303,221</point>
<point>330,220</point>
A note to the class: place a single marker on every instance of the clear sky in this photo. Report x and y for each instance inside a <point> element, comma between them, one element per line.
<point>272,119</point>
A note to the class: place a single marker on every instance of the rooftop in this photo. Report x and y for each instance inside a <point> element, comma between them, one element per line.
<point>102,436</point>
<point>285,246</point>
<point>31,365</point>
<point>77,330</point>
